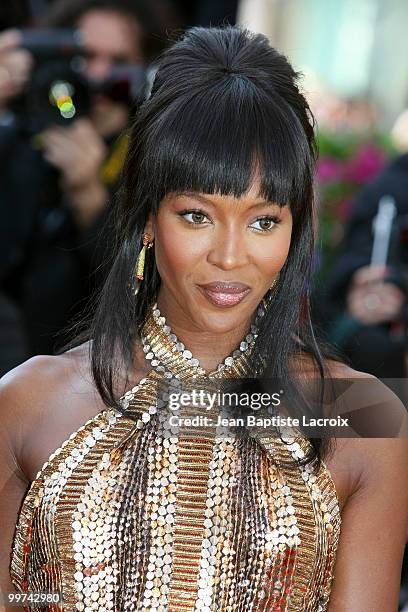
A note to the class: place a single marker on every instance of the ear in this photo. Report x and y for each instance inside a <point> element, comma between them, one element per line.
<point>149,226</point>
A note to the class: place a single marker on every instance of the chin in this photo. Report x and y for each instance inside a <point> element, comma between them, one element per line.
<point>221,320</point>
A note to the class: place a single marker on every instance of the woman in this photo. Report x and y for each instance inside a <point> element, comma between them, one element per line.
<point>210,282</point>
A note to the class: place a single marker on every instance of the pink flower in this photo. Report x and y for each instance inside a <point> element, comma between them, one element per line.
<point>329,169</point>
<point>365,164</point>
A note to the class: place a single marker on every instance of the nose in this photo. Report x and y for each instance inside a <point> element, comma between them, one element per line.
<point>229,249</point>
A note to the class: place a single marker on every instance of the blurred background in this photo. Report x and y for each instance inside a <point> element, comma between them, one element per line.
<point>72,73</point>
<point>354,61</point>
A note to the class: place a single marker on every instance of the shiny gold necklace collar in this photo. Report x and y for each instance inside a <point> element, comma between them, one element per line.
<point>171,359</point>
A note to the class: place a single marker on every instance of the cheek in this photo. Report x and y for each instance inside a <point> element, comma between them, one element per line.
<point>178,253</point>
<point>272,258</point>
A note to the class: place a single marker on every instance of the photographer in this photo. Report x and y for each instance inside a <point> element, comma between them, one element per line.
<point>367,304</point>
<point>57,184</point>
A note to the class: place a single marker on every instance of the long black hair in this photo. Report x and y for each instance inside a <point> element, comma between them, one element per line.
<point>224,107</point>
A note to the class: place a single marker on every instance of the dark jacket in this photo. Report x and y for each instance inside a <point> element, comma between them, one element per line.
<point>47,264</point>
<point>355,250</point>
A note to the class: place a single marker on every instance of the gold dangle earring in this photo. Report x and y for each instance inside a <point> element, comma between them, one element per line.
<point>267,300</point>
<point>139,268</point>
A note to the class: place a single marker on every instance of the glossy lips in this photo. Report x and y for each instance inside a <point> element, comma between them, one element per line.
<point>225,294</point>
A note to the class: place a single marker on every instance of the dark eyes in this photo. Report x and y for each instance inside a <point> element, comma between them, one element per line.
<point>266,223</point>
<point>195,216</point>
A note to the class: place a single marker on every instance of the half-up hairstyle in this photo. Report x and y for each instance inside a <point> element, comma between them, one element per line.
<point>225,107</point>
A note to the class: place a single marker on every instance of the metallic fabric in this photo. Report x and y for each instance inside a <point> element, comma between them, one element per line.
<point>132,514</point>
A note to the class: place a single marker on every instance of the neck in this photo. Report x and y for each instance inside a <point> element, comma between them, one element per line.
<point>209,348</point>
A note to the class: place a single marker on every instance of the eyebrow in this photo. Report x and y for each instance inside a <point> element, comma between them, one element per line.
<point>196,196</point>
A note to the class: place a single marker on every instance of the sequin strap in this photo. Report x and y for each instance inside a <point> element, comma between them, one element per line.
<point>96,435</point>
<point>318,519</point>
<point>195,451</point>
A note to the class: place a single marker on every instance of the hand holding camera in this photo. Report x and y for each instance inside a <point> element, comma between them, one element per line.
<point>47,89</point>
<point>78,151</point>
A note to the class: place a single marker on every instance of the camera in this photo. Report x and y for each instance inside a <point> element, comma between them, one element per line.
<point>59,91</point>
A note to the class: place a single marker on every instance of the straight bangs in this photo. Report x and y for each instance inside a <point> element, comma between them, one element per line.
<point>222,139</point>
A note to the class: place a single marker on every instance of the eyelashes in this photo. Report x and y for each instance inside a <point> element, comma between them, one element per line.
<point>268,219</point>
<point>198,216</point>
<point>194,213</point>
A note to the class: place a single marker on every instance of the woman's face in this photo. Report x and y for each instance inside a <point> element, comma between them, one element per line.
<point>217,256</point>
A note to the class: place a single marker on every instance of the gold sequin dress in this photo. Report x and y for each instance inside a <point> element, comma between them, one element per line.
<point>128,515</point>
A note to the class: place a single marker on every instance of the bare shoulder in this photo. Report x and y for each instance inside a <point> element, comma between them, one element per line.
<point>366,397</point>
<point>43,378</point>
<point>359,391</point>
<point>43,400</point>
<point>376,450</point>
<point>305,364</point>
<point>47,398</point>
